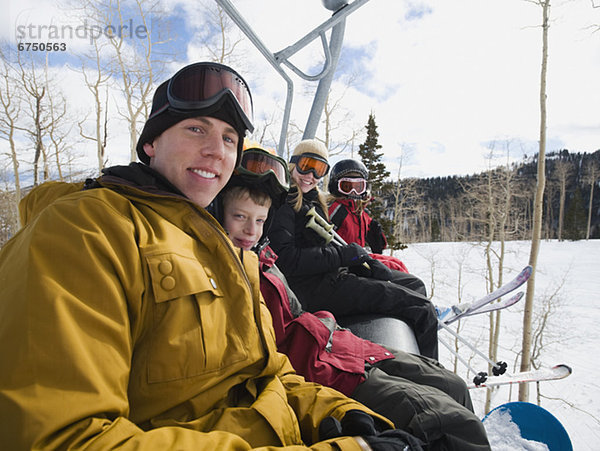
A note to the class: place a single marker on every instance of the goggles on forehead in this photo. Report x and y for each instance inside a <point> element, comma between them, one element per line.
<point>311,162</point>
<point>261,164</point>
<point>349,185</point>
<point>202,85</point>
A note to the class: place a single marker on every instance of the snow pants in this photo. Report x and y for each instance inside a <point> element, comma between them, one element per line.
<point>344,293</point>
<point>421,397</point>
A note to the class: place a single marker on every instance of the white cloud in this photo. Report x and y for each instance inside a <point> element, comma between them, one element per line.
<point>443,78</point>
<point>461,74</point>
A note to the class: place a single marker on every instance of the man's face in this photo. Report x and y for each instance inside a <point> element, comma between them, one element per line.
<point>244,221</point>
<point>197,155</point>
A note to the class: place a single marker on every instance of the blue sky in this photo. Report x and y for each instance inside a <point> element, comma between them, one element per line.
<point>446,81</point>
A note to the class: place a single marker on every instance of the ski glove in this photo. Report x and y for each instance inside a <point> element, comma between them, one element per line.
<point>376,238</point>
<point>358,423</point>
<point>379,270</point>
<point>352,254</point>
<point>376,270</point>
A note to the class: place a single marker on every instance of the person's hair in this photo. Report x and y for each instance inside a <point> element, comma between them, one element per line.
<point>258,196</point>
<point>360,204</point>
<point>297,200</point>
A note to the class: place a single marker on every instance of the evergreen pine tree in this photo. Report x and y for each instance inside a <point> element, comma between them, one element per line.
<point>575,218</point>
<point>371,158</point>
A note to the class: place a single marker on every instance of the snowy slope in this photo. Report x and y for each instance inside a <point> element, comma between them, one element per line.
<point>568,275</point>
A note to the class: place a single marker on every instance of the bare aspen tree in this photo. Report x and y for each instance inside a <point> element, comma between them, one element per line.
<point>537,205</point>
<point>58,143</point>
<point>136,62</point>
<point>490,197</point>
<point>96,78</point>
<point>397,227</point>
<point>221,38</point>
<point>263,129</point>
<point>459,297</point>
<point>9,215</point>
<point>34,91</point>
<point>591,176</point>
<point>543,334</point>
<point>11,108</point>
<point>331,122</point>
<point>59,126</point>
<point>549,193</point>
<point>336,118</point>
<point>563,170</point>
<point>404,196</point>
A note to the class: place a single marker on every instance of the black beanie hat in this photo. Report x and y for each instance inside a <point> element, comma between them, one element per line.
<point>156,125</point>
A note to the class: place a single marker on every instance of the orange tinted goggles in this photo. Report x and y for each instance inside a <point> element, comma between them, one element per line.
<point>310,162</point>
<point>262,163</point>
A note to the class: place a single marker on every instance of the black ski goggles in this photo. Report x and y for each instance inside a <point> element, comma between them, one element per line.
<point>311,162</point>
<point>202,85</point>
<point>350,185</point>
<point>260,163</point>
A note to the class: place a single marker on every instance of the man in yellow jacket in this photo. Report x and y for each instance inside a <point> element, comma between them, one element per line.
<point>128,319</point>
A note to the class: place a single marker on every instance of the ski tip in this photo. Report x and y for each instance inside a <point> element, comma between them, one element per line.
<point>562,366</point>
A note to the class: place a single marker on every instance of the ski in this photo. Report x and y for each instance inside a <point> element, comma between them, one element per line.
<point>502,304</point>
<point>545,374</point>
<point>458,311</point>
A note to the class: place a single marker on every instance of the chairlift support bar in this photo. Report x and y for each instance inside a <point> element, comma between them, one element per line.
<point>331,52</point>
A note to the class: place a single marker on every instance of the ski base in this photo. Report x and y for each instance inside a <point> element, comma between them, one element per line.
<point>545,374</point>
<point>454,313</point>
<point>502,304</point>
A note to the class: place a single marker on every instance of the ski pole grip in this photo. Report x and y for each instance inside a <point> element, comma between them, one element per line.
<point>326,226</point>
<point>312,224</point>
<point>325,230</point>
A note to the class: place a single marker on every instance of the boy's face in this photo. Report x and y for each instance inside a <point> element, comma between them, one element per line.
<point>244,220</point>
<point>197,155</point>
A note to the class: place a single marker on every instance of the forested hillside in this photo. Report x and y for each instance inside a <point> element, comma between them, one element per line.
<point>498,204</point>
<point>488,206</point>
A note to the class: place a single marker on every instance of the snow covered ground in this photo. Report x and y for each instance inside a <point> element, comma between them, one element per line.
<point>568,281</point>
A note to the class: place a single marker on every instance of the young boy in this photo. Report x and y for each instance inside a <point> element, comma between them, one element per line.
<point>415,392</point>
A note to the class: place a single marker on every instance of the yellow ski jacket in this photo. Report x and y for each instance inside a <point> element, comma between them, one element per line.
<point>129,321</point>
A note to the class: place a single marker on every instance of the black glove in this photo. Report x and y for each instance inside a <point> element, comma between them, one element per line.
<point>355,422</point>
<point>379,270</point>
<point>352,254</point>
<point>376,238</point>
<point>394,440</point>
<point>376,270</point>
<point>359,423</point>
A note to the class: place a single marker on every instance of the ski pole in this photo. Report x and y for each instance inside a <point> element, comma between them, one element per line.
<point>498,367</point>
<point>458,356</point>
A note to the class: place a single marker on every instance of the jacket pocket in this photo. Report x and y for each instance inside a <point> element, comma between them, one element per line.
<point>184,336</point>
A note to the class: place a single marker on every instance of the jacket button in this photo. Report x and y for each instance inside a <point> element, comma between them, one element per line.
<point>213,283</point>
<point>371,358</point>
<point>165,267</point>
<point>167,283</point>
<point>387,353</point>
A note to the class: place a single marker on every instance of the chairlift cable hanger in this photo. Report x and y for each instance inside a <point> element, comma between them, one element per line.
<point>331,51</point>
